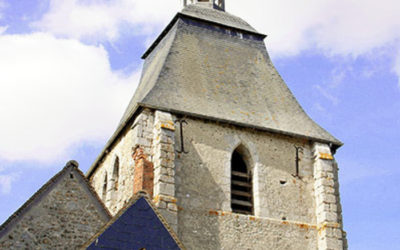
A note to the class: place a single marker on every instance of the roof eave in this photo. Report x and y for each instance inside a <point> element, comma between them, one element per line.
<point>334,144</point>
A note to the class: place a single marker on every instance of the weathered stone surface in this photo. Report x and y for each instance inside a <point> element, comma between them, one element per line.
<point>64,214</point>
<point>330,235</point>
<point>140,134</point>
<point>232,231</point>
<point>203,185</point>
<point>188,186</point>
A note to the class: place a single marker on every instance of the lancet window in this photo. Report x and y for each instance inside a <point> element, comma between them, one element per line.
<point>241,185</point>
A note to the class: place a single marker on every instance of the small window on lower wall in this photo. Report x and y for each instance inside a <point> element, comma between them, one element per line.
<point>104,194</point>
<point>241,186</point>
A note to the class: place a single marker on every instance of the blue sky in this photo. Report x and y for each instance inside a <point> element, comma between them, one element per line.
<point>69,67</point>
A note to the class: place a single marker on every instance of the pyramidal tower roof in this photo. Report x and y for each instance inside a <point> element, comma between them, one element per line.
<point>210,64</point>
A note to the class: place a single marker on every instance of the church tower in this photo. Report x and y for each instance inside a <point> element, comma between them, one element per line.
<point>217,139</point>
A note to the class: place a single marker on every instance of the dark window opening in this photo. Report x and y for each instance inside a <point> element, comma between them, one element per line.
<point>104,194</point>
<point>116,173</point>
<point>241,186</point>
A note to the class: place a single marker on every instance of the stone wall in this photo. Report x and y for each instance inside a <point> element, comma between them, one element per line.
<point>63,217</point>
<point>193,190</point>
<point>203,186</point>
<point>225,230</point>
<point>140,133</point>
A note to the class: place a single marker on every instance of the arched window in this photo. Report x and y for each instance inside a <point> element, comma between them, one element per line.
<point>241,185</point>
<point>116,173</point>
<point>104,194</point>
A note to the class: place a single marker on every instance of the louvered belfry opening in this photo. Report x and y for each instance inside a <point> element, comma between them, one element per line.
<point>241,186</point>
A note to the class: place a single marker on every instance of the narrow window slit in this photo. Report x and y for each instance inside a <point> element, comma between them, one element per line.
<point>104,194</point>
<point>116,174</point>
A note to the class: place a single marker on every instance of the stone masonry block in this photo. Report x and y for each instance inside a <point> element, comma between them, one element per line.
<point>324,189</point>
<point>325,232</point>
<point>172,207</point>
<point>163,138</point>
<point>166,179</point>
<point>164,189</point>
<point>167,163</point>
<point>332,217</point>
<point>318,174</point>
<point>162,117</point>
<point>163,171</point>
<point>330,244</point>
<point>161,204</point>
<point>325,166</point>
<point>323,207</point>
<point>333,207</point>
<point>330,175</point>
<point>167,148</point>
<point>164,147</point>
<point>139,141</point>
<point>324,182</point>
<point>328,198</point>
<point>337,233</point>
<point>160,154</point>
<point>327,217</point>
<point>321,148</point>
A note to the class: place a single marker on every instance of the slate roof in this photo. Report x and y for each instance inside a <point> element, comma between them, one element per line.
<point>71,166</point>
<point>213,65</point>
<point>137,226</point>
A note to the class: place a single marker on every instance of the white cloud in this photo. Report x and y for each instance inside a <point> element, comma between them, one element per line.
<point>55,93</point>
<point>344,27</point>
<point>6,182</point>
<point>99,20</point>
<point>3,29</point>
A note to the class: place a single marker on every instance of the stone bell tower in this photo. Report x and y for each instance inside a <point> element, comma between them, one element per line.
<point>215,4</point>
<point>216,137</point>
